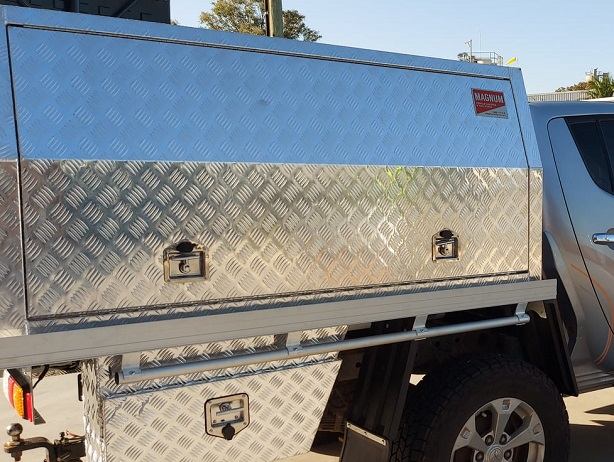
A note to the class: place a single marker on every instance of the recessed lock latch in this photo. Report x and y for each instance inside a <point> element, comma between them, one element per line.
<point>445,245</point>
<point>185,262</point>
<point>227,416</point>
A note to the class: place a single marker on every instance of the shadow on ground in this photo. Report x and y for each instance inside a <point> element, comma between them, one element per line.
<point>592,443</point>
<point>330,449</point>
<point>593,440</point>
<point>589,443</point>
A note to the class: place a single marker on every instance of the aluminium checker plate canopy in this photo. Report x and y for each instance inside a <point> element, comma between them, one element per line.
<point>307,172</point>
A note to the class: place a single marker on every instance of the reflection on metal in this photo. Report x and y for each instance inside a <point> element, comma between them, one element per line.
<point>287,215</point>
<point>603,239</point>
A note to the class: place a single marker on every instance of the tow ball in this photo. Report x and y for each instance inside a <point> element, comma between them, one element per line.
<point>69,448</point>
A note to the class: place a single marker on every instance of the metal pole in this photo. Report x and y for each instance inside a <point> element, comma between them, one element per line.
<point>274,18</point>
<point>132,374</point>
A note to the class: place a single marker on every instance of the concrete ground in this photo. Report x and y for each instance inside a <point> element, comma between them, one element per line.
<point>591,416</point>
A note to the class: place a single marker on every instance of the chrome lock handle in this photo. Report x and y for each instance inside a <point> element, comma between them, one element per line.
<point>603,238</point>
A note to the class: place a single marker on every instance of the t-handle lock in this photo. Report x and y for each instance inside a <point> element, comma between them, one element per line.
<point>185,261</point>
<point>445,246</point>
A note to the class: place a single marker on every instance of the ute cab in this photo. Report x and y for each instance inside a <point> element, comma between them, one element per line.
<point>576,144</point>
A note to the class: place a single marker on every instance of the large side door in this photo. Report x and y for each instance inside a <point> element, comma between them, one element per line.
<point>583,147</point>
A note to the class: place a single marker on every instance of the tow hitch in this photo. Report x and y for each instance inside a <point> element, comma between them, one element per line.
<point>69,448</point>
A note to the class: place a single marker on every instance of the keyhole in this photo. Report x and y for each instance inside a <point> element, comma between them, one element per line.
<point>444,250</point>
<point>184,267</point>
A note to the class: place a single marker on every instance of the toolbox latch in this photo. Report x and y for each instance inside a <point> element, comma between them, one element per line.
<point>445,246</point>
<point>227,416</point>
<point>185,262</point>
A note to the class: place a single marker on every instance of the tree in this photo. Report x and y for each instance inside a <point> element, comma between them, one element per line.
<point>601,87</point>
<point>576,87</point>
<point>248,17</point>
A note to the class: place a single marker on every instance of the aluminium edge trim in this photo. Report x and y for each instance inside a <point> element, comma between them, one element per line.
<point>79,344</point>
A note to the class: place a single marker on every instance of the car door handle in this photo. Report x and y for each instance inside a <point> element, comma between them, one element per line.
<point>603,239</point>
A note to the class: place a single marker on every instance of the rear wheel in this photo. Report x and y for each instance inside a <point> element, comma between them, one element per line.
<point>484,409</point>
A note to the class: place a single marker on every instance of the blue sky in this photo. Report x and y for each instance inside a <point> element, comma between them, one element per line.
<point>555,42</point>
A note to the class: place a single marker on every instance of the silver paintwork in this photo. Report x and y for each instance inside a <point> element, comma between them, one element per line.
<point>568,184</point>
<point>586,204</point>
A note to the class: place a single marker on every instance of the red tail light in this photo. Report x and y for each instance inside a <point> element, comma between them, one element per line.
<point>19,395</point>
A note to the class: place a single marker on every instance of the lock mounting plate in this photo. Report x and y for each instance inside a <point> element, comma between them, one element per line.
<point>185,262</point>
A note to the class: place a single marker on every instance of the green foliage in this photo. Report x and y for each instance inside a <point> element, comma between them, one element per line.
<point>248,17</point>
<point>602,87</point>
<point>295,27</point>
<point>243,16</point>
<point>576,87</point>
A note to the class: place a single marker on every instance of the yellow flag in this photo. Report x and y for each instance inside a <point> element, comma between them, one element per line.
<point>513,60</point>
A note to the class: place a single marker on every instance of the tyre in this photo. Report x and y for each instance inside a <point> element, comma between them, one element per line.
<point>484,409</point>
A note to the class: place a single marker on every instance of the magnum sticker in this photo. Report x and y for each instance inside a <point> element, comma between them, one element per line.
<point>489,103</point>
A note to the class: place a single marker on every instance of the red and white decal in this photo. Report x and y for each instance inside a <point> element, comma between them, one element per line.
<point>489,103</point>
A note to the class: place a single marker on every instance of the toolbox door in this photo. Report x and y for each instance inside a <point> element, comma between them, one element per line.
<point>293,177</point>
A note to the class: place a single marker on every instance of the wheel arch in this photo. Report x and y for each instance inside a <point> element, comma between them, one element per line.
<point>460,388</point>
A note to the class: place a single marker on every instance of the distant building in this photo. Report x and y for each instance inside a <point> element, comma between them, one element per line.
<point>577,95</point>
<point>481,57</point>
